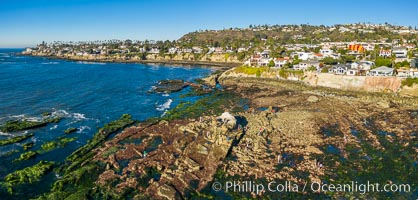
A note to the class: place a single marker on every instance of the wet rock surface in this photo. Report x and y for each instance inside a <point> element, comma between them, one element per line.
<point>169,86</point>
<point>302,134</point>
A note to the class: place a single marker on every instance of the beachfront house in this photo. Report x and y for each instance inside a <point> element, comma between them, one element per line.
<point>172,50</point>
<point>154,50</point>
<point>219,50</point>
<point>280,62</point>
<point>304,65</point>
<point>407,72</point>
<point>340,69</point>
<point>381,71</point>
<point>303,55</point>
<point>197,49</point>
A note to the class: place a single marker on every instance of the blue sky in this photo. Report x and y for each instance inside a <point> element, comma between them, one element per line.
<point>28,22</point>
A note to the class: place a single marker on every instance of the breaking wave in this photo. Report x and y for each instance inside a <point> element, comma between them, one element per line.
<point>165,105</point>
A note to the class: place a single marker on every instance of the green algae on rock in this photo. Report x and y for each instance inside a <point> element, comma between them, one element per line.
<point>26,156</point>
<point>28,145</point>
<point>51,145</point>
<point>80,172</point>
<point>27,175</point>
<point>70,130</point>
<point>20,125</point>
<point>114,126</point>
<point>16,139</point>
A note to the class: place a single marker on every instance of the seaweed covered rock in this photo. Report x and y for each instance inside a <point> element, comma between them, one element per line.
<point>80,170</point>
<point>51,145</point>
<point>28,145</point>
<point>16,139</point>
<point>26,156</point>
<point>81,154</point>
<point>28,175</point>
<point>20,125</point>
<point>70,130</point>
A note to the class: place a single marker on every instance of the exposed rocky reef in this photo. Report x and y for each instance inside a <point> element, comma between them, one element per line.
<point>251,129</point>
<point>19,125</point>
<point>15,139</point>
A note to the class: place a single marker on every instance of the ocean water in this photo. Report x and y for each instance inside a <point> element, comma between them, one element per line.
<point>87,94</point>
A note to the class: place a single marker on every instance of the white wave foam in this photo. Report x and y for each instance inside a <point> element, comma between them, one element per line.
<point>165,105</point>
<point>78,116</point>
<point>82,128</point>
<point>58,176</point>
<point>5,134</point>
<point>60,113</point>
<point>90,63</point>
<point>54,127</point>
<point>50,63</point>
<point>166,95</point>
<point>33,119</point>
<point>18,116</point>
<point>64,113</point>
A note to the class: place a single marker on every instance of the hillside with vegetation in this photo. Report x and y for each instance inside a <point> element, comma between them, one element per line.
<point>304,33</point>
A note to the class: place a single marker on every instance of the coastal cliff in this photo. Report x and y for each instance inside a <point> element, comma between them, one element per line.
<point>344,82</point>
<point>221,59</point>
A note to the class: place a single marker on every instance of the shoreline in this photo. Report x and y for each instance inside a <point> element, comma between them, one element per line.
<point>268,139</point>
<point>169,62</point>
<point>317,109</point>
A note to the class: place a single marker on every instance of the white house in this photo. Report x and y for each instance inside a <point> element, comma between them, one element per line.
<point>197,49</point>
<point>405,73</point>
<point>385,53</point>
<point>381,71</point>
<point>340,69</point>
<point>280,62</point>
<point>363,65</point>
<point>172,50</point>
<point>400,53</point>
<point>154,50</point>
<point>29,50</point>
<point>242,49</point>
<point>219,50</point>
<point>326,52</point>
<point>303,55</point>
<point>304,65</point>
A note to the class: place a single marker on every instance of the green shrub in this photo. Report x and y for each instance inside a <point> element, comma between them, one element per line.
<point>250,70</point>
<point>409,82</point>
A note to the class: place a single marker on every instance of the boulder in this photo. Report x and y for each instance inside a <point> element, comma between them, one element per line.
<point>211,80</point>
<point>169,86</point>
<point>229,120</point>
<point>313,99</point>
